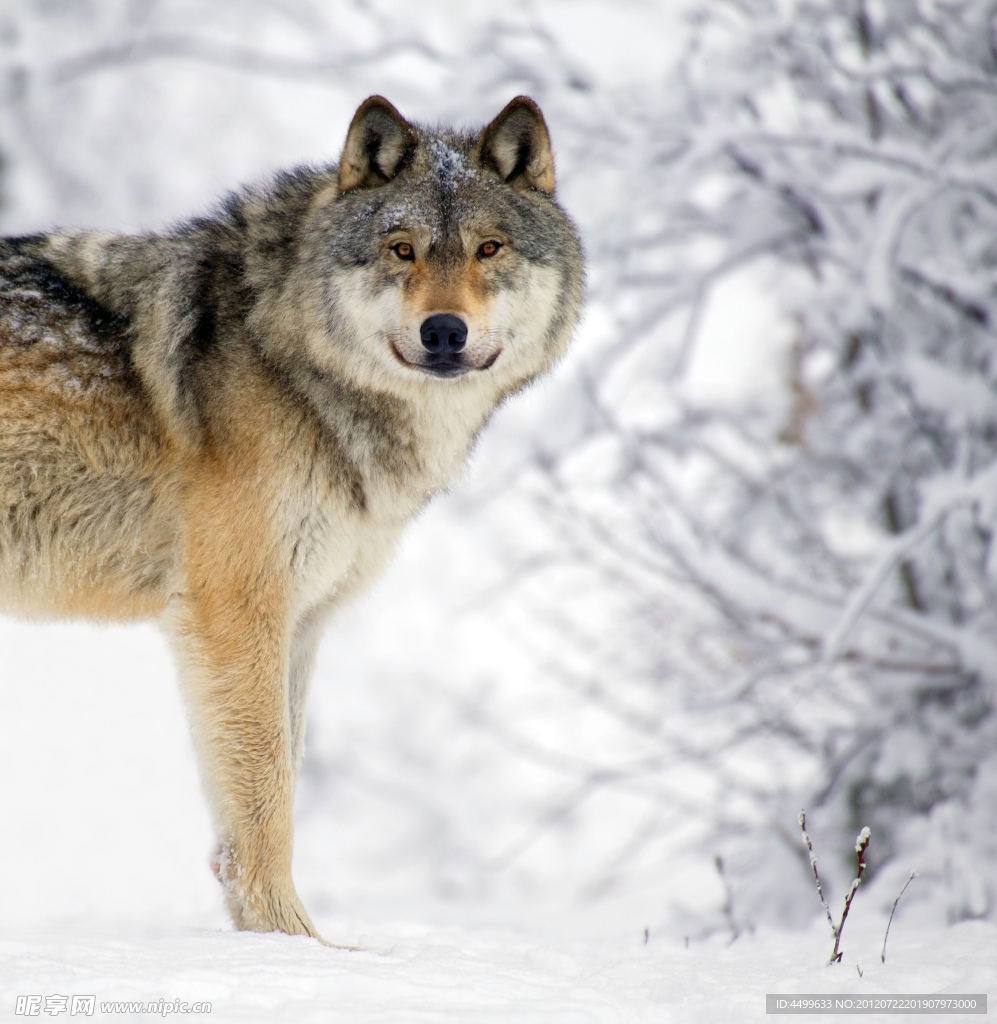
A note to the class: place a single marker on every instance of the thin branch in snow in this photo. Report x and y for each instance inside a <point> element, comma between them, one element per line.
<point>913,875</point>
<point>861,844</point>
<point>728,907</point>
<point>813,867</point>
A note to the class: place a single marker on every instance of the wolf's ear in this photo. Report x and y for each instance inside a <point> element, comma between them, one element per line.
<point>516,145</point>
<point>378,145</point>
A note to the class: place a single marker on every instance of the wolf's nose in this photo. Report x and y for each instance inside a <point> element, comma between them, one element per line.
<point>443,333</point>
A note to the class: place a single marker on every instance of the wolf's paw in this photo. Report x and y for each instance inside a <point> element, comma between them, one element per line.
<point>272,911</point>
<point>260,904</point>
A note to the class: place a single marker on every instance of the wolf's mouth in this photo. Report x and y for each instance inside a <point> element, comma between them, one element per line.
<point>451,365</point>
<point>444,367</point>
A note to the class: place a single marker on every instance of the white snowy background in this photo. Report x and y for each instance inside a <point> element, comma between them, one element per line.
<point>735,557</point>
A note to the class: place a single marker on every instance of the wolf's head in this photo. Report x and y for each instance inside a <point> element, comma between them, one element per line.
<point>446,261</point>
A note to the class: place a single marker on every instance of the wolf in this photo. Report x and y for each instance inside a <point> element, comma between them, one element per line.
<point>226,426</point>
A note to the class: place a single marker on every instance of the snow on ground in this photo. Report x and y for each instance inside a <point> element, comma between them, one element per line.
<point>417,973</point>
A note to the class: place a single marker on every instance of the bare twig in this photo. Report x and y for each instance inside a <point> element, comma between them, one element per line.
<point>179,46</point>
<point>728,907</point>
<point>861,845</point>
<point>813,866</point>
<point>913,875</point>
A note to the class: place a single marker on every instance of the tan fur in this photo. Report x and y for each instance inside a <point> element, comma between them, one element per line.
<point>242,489</point>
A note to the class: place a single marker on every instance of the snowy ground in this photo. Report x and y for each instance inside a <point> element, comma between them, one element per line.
<point>414,973</point>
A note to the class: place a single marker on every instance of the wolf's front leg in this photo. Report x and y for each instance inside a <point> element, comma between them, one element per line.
<point>304,646</point>
<point>234,650</point>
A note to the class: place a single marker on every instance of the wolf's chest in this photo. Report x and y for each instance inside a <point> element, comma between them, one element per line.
<point>337,550</point>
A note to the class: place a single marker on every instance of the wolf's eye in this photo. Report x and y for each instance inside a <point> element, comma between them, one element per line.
<point>488,248</point>
<point>404,251</point>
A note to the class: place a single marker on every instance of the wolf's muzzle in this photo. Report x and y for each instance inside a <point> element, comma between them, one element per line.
<point>443,337</point>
